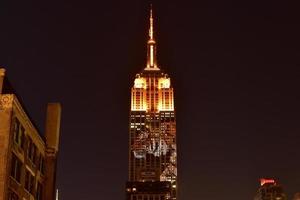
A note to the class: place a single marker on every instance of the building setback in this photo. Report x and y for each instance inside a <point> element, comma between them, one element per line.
<point>27,159</point>
<point>152,132</point>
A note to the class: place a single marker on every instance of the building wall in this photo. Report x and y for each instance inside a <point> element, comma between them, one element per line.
<point>5,122</point>
<point>27,160</point>
<point>23,157</point>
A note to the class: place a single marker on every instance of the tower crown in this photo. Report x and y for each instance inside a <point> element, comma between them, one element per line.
<point>151,46</point>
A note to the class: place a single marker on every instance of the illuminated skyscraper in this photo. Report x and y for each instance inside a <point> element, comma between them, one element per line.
<point>270,190</point>
<point>152,132</point>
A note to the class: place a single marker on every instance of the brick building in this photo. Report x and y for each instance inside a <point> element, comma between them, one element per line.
<point>27,157</point>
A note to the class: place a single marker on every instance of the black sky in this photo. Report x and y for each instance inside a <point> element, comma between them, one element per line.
<point>234,66</point>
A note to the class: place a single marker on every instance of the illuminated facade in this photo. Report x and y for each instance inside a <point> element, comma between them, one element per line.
<point>270,190</point>
<point>152,132</point>
<point>27,160</point>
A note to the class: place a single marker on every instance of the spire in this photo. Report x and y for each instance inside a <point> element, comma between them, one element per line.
<point>151,46</point>
<point>151,24</point>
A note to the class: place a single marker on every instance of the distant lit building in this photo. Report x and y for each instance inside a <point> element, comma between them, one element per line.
<point>27,159</point>
<point>270,190</point>
<point>297,196</point>
<point>152,132</point>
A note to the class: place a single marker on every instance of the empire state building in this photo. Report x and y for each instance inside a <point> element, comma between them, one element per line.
<point>152,132</point>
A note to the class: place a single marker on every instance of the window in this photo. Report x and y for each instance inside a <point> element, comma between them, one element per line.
<point>42,164</point>
<point>39,192</point>
<point>16,167</point>
<point>29,182</point>
<point>31,151</point>
<point>19,133</point>
<point>29,143</point>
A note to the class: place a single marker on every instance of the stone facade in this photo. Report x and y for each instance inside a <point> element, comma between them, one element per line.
<point>27,169</point>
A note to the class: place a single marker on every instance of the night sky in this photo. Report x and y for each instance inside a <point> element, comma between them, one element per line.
<point>234,66</point>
